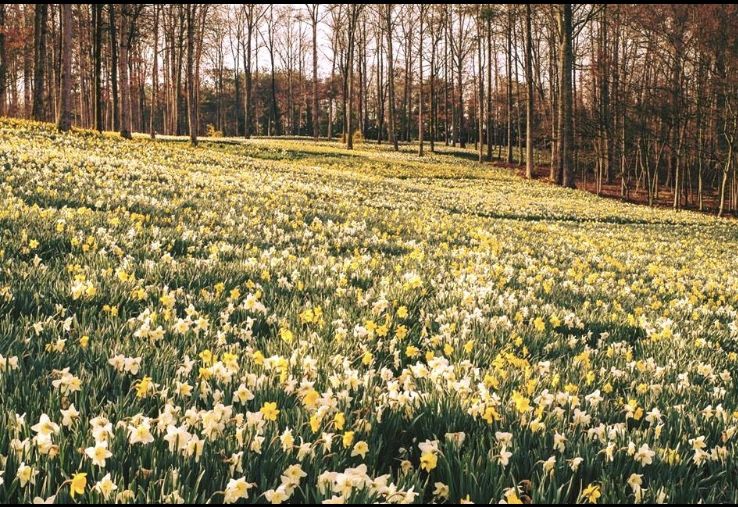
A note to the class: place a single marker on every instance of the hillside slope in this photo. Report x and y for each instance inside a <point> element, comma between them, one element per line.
<point>265,309</point>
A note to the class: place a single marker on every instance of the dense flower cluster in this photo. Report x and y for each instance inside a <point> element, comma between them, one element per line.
<point>277,321</point>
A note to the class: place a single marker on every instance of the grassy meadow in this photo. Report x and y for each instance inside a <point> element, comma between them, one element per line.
<point>276,321</point>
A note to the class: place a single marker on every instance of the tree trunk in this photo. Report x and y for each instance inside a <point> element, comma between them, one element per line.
<point>490,139</point>
<point>529,86</point>
<point>420,83</point>
<point>248,106</point>
<point>191,98</point>
<point>114,66</point>
<point>40,61</point>
<point>391,77</point>
<point>446,22</point>
<point>380,83</point>
<point>65,115</point>
<point>566,125</point>
<point>3,64</point>
<point>97,57</point>
<point>509,85</point>
<point>154,76</point>
<point>433,101</point>
<point>316,117</point>
<point>124,84</point>
<point>461,139</point>
<point>480,79</point>
<point>353,13</point>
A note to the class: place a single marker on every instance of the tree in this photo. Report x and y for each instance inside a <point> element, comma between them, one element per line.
<point>436,35</point>
<point>191,10</point>
<point>39,61</point>
<point>389,30</point>
<point>155,75</point>
<point>3,63</point>
<point>313,10</point>
<point>114,65</point>
<point>269,41</point>
<point>480,86</point>
<point>489,15</point>
<point>565,175</point>
<point>508,56</point>
<point>97,57</point>
<point>353,17</point>
<point>529,95</point>
<point>460,48</point>
<point>124,84</point>
<point>421,17</point>
<point>65,116</point>
<point>253,15</point>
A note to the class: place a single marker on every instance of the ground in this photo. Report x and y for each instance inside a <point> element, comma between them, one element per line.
<point>276,320</point>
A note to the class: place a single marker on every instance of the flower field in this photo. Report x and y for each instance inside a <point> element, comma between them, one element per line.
<point>278,321</point>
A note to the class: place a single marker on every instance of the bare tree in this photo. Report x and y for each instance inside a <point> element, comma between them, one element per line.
<point>114,65</point>
<point>155,75</point>
<point>529,162</point>
<point>354,10</point>
<point>124,84</point>
<point>191,10</point>
<point>389,30</point>
<point>253,15</point>
<point>39,61</point>
<point>422,13</point>
<point>97,10</point>
<point>565,174</point>
<point>65,115</point>
<point>313,12</point>
<point>3,63</point>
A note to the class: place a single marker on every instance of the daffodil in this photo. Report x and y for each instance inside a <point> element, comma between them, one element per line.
<point>77,484</point>
<point>270,411</point>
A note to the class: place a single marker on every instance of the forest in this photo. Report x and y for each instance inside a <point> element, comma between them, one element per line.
<point>637,101</point>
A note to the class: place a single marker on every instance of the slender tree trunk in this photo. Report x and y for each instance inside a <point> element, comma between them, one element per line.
<point>65,115</point>
<point>114,66</point>
<point>154,76</point>
<point>40,61</point>
<point>353,14</point>
<point>529,85</point>
<point>509,84</point>
<point>566,126</point>
<point>331,93</point>
<point>420,82</point>
<point>519,130</point>
<point>316,117</point>
<point>3,63</point>
<point>461,138</point>
<point>97,57</point>
<point>480,79</point>
<point>554,174</point>
<point>391,76</point>
<point>28,58</point>
<point>248,106</point>
<point>724,180</point>
<point>380,84</point>
<point>125,99</point>
<point>191,98</point>
<point>434,102</point>
<point>446,22</point>
<point>490,139</point>
<point>271,49</point>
